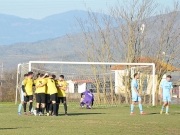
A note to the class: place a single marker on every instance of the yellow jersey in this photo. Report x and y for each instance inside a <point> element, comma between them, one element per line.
<point>43,88</point>
<point>61,92</point>
<point>28,84</point>
<point>51,86</point>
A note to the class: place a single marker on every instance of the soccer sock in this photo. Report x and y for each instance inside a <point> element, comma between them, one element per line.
<point>65,108</point>
<point>30,106</point>
<point>50,107</point>
<point>132,108</point>
<point>167,109</point>
<point>54,108</point>
<point>37,110</point>
<point>57,109</point>
<point>25,107</point>
<point>162,108</point>
<point>140,108</point>
<point>47,108</point>
<point>19,108</point>
<point>43,110</point>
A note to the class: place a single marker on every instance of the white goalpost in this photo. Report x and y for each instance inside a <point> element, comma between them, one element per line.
<point>90,65</point>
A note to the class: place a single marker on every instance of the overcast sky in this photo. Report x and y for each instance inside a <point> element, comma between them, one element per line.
<point>38,9</point>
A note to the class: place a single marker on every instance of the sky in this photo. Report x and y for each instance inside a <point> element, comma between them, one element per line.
<point>38,9</point>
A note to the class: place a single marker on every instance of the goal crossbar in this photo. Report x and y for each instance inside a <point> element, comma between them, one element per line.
<point>103,63</point>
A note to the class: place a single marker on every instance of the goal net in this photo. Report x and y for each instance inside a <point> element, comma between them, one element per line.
<point>110,82</point>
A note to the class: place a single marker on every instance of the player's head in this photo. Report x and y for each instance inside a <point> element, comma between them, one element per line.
<point>136,76</point>
<point>38,75</point>
<point>91,90</point>
<point>30,74</point>
<point>25,76</point>
<point>54,77</point>
<point>61,77</point>
<point>41,75</point>
<point>168,78</point>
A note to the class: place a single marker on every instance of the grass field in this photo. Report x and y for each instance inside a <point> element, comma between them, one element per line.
<point>98,121</point>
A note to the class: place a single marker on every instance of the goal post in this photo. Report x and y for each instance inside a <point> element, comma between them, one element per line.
<point>152,65</point>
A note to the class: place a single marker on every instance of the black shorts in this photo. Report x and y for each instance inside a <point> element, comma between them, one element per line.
<point>61,99</point>
<point>28,98</point>
<point>53,97</point>
<point>48,98</point>
<point>40,98</point>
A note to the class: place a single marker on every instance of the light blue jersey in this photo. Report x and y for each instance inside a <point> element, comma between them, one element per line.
<point>166,90</point>
<point>135,97</point>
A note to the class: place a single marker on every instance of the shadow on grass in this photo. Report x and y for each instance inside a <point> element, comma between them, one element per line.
<point>7,128</point>
<point>152,113</point>
<point>77,114</point>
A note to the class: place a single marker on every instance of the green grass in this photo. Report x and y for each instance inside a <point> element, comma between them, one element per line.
<point>98,121</point>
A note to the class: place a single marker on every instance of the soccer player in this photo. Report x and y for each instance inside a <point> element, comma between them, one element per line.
<point>53,93</point>
<point>47,97</point>
<point>40,94</point>
<point>62,87</point>
<point>22,97</point>
<point>166,93</point>
<point>88,99</point>
<point>136,97</point>
<point>28,92</point>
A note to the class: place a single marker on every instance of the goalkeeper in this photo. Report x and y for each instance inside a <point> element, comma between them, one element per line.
<point>88,99</point>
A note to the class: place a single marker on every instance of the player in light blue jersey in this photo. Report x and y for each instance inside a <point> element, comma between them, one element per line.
<point>22,98</point>
<point>166,93</point>
<point>136,97</point>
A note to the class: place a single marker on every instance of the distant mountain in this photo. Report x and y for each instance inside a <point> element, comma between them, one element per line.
<point>15,29</point>
<point>55,49</point>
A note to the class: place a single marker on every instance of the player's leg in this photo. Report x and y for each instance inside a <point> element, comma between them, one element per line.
<point>30,103</point>
<point>54,99</point>
<point>37,103</point>
<point>164,104</point>
<point>134,100</point>
<point>65,105</point>
<point>26,99</point>
<point>92,103</point>
<point>21,104</point>
<point>58,102</point>
<point>47,103</point>
<point>43,100</point>
<point>167,106</point>
<point>89,104</point>
<point>140,106</point>
<point>83,102</point>
<point>50,108</point>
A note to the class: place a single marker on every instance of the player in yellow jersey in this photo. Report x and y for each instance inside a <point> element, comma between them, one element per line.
<point>28,91</point>
<point>62,87</point>
<point>40,94</point>
<point>53,92</point>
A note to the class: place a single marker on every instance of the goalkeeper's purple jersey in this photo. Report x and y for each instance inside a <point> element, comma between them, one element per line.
<point>88,95</point>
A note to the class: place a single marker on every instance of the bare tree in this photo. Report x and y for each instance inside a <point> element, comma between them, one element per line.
<point>134,29</point>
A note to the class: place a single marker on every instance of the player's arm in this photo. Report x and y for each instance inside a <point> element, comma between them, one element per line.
<point>42,85</point>
<point>136,91</point>
<point>171,92</point>
<point>23,87</point>
<point>82,95</point>
<point>63,87</point>
<point>46,74</point>
<point>160,89</point>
